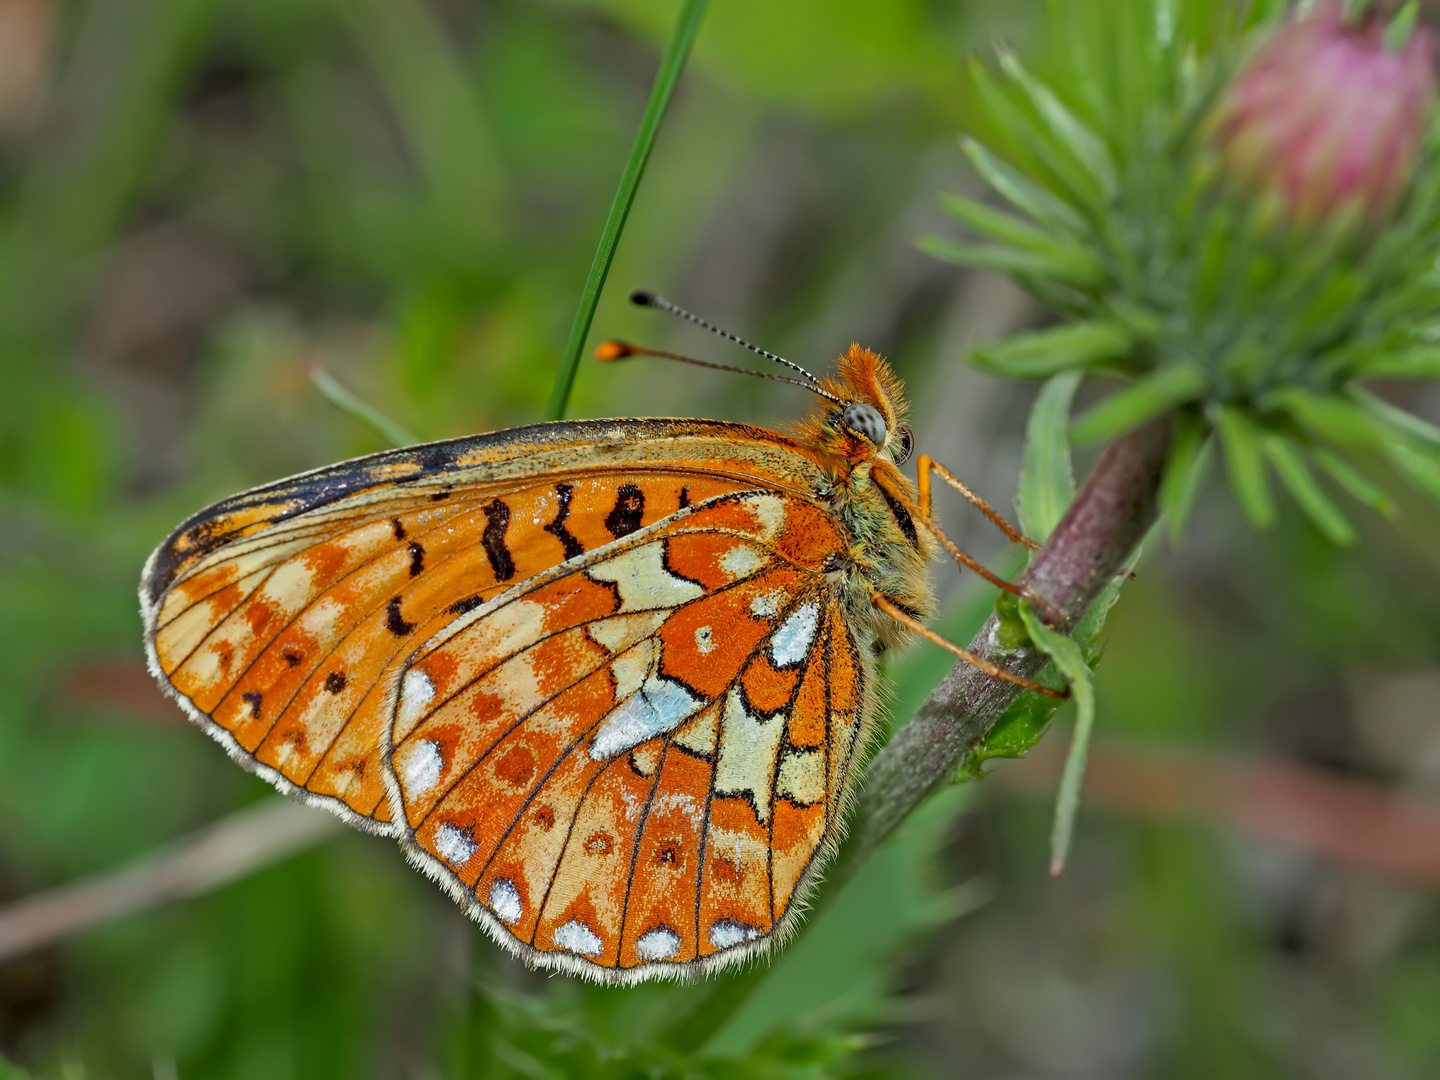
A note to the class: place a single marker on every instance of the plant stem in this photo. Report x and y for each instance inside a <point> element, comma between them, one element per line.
<point>1093,541</point>
<point>1109,517</point>
<point>660,94</point>
<point>335,392</point>
<point>232,848</point>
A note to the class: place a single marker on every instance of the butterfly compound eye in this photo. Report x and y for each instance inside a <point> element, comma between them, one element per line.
<point>865,420</point>
<point>904,445</point>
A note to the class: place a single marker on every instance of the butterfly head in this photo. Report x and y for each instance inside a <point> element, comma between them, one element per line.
<point>862,418</point>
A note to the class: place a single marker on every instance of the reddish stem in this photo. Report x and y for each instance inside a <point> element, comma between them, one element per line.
<point>1108,518</point>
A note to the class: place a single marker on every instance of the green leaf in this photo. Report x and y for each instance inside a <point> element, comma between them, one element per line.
<point>1038,144</point>
<point>1074,263</point>
<point>393,432</point>
<point>1007,260</point>
<point>1334,418</point>
<point>1070,659</point>
<point>1143,323</point>
<point>1023,724</point>
<point>666,78</point>
<point>1152,396</point>
<point>1021,192</point>
<point>1245,464</point>
<point>1395,418</point>
<point>1352,481</point>
<point>1364,421</point>
<point>1083,144</point>
<point>1087,630</point>
<point>1420,362</point>
<point>1402,25</point>
<point>1184,469</point>
<point>1041,353</point>
<point>1419,466</point>
<point>1019,728</point>
<point>1329,308</point>
<point>1047,486</point>
<point>1212,260</point>
<point>1291,468</point>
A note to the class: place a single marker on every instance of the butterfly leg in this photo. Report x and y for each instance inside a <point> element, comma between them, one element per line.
<point>922,511</point>
<point>925,465</point>
<point>891,608</point>
<point>1047,611</point>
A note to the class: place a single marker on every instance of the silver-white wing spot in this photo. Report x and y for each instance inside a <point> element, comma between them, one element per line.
<point>643,581</point>
<point>767,605</point>
<point>455,844</point>
<point>576,937</point>
<point>704,640</point>
<point>421,766</point>
<point>416,693</point>
<point>742,560</point>
<point>791,642</point>
<point>657,944</point>
<point>659,706</point>
<point>728,933</point>
<point>770,509</point>
<point>505,901</point>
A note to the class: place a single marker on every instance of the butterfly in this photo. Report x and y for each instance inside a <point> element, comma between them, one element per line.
<point>606,681</point>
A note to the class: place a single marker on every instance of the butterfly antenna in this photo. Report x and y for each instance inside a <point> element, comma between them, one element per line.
<point>642,298</point>
<point>618,350</point>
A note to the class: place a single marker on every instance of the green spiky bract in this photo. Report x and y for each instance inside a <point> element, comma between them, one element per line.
<point>1203,299</point>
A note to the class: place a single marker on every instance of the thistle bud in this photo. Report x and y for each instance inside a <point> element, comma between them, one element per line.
<point>1328,114</point>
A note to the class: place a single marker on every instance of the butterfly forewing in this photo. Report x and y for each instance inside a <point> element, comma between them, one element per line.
<point>598,761</point>
<point>280,617</point>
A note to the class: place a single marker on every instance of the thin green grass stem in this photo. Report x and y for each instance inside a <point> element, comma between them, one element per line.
<point>332,391</point>
<point>660,94</point>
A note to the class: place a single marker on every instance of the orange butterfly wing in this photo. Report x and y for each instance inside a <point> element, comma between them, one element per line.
<point>627,765</point>
<point>287,620</point>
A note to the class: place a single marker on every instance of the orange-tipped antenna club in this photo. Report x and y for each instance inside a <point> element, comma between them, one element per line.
<point>614,350</point>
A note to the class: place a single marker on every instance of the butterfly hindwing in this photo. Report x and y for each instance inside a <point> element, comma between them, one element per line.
<point>280,617</point>
<point>600,761</point>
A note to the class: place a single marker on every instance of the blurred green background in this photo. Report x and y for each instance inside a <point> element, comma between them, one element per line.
<point>201,198</point>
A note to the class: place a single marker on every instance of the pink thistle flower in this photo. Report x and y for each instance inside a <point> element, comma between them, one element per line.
<point>1326,115</point>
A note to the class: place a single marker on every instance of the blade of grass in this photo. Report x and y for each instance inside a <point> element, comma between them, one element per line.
<point>332,391</point>
<point>660,94</point>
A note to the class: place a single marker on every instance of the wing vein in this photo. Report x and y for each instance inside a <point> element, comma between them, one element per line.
<point>635,850</point>
<point>569,835</point>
